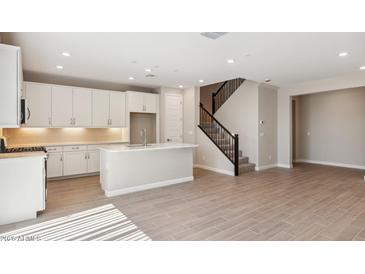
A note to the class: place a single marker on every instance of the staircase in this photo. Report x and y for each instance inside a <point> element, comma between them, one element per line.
<point>224,92</point>
<point>226,141</point>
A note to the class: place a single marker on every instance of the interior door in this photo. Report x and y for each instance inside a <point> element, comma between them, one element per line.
<point>100,108</point>
<point>173,118</point>
<point>115,109</point>
<point>62,106</point>
<point>38,112</point>
<point>82,107</point>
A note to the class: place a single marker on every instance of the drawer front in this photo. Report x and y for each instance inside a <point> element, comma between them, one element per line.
<point>93,147</point>
<point>54,149</point>
<point>74,148</point>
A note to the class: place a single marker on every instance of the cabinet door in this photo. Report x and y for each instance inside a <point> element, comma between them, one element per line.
<point>123,110</point>
<point>62,106</point>
<point>150,103</point>
<point>74,163</point>
<point>100,108</point>
<point>93,162</point>
<point>54,165</point>
<point>115,109</point>
<point>38,112</point>
<point>82,107</point>
<point>135,102</point>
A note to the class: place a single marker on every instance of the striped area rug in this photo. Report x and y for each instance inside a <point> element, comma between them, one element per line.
<point>104,223</point>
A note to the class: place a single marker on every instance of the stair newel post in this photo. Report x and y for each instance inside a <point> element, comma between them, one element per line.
<point>236,149</point>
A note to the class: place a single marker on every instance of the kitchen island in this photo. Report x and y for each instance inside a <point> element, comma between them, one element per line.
<point>125,169</point>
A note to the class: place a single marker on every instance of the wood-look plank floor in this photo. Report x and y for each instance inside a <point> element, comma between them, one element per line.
<point>309,202</point>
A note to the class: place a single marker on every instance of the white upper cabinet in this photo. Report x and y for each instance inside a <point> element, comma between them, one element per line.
<point>10,86</point>
<point>109,109</point>
<point>62,106</point>
<point>117,109</point>
<point>135,101</point>
<point>38,110</point>
<point>150,102</point>
<point>100,108</point>
<point>82,107</point>
<point>141,102</point>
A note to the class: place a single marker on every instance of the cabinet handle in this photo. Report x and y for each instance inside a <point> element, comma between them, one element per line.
<point>61,158</point>
<point>28,113</point>
<point>71,121</point>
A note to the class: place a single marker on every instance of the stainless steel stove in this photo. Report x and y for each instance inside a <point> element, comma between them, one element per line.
<point>24,149</point>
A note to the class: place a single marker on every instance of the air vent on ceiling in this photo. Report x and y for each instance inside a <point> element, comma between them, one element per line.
<point>150,75</point>
<point>213,35</point>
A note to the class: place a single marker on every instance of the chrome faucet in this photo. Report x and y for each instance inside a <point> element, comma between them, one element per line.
<point>144,132</point>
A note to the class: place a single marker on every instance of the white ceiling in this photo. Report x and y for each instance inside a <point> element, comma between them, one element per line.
<point>184,58</point>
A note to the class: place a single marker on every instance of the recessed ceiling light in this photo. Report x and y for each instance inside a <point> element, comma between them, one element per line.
<point>148,70</point>
<point>201,81</point>
<point>343,54</point>
<point>131,78</point>
<point>362,68</point>
<point>230,61</point>
<point>59,67</point>
<point>181,86</point>
<point>67,54</point>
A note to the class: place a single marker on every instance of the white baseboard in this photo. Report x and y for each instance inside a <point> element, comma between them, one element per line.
<point>329,163</point>
<point>284,166</point>
<point>223,171</point>
<point>112,193</point>
<point>259,168</point>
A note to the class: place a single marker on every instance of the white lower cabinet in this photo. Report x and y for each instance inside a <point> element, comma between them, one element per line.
<point>74,163</point>
<point>55,165</point>
<point>72,160</point>
<point>93,162</point>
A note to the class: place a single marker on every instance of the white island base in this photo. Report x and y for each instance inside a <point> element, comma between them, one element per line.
<point>126,169</point>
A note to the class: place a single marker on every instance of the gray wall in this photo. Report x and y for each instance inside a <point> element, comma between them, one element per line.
<point>331,127</point>
<point>267,139</point>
